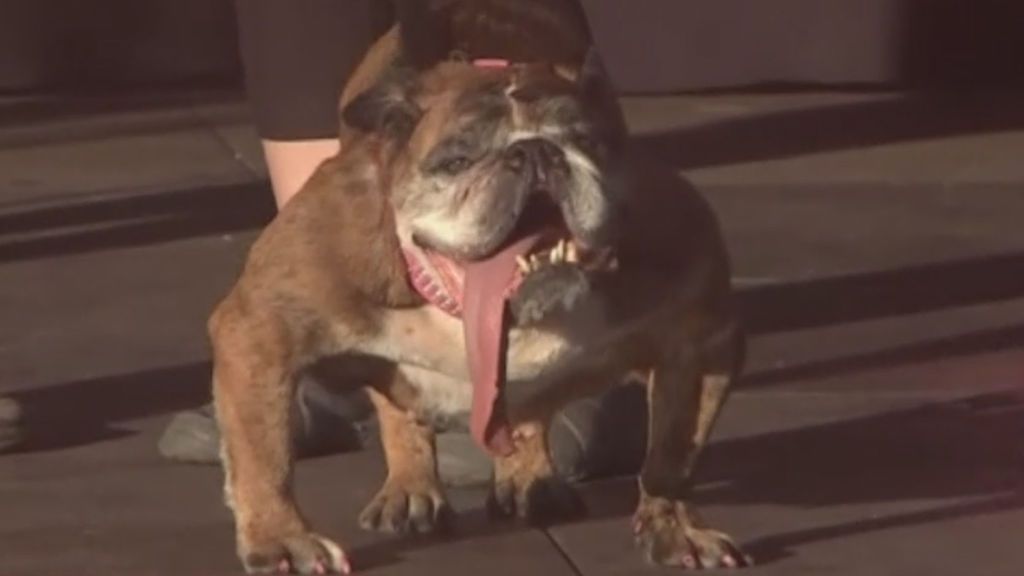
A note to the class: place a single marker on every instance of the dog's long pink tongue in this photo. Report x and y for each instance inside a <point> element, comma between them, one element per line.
<point>486,290</point>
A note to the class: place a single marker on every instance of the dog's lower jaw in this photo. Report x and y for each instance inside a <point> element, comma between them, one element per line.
<point>549,292</point>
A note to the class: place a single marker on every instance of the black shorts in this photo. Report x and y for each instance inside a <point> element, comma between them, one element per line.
<point>297,56</point>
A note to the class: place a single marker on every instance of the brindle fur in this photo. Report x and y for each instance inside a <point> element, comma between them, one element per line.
<point>326,282</point>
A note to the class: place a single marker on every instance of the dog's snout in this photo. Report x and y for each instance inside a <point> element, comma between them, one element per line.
<point>536,157</point>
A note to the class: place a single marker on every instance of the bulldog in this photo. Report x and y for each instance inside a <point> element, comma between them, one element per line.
<point>485,249</point>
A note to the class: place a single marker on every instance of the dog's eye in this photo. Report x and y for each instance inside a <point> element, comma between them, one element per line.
<point>584,143</point>
<point>587,144</point>
<point>454,165</point>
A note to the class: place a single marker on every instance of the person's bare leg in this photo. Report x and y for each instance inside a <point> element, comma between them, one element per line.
<point>291,163</point>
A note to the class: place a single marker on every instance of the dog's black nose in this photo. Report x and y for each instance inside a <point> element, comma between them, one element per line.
<point>535,157</point>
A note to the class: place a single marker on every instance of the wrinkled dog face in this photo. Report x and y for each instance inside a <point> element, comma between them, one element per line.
<point>483,156</point>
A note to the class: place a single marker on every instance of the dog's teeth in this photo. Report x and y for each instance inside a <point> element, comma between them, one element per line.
<point>556,254</point>
<point>535,262</point>
<point>571,254</point>
<point>447,303</point>
<point>523,265</point>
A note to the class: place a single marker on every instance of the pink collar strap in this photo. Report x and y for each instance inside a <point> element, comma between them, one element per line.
<point>491,63</point>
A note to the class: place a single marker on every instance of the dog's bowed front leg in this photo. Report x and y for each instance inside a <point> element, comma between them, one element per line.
<point>686,390</point>
<point>253,386</point>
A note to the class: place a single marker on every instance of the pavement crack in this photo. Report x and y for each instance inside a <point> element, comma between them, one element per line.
<point>563,553</point>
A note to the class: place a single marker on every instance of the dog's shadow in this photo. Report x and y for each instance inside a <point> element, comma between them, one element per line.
<point>967,451</point>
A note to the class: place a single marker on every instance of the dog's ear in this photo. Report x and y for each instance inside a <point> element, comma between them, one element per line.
<point>387,107</point>
<point>425,31</point>
<point>593,77</point>
<point>600,96</point>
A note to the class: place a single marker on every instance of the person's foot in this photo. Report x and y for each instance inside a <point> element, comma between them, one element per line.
<point>601,436</point>
<point>326,423</point>
<point>11,424</point>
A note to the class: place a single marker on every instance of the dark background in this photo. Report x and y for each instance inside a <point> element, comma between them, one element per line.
<point>65,44</point>
<point>650,45</point>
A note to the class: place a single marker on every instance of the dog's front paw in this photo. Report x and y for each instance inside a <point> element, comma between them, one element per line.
<point>671,534</point>
<point>539,500</point>
<point>407,505</point>
<point>301,553</point>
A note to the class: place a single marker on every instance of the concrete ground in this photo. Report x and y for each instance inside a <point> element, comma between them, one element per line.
<point>878,252</point>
